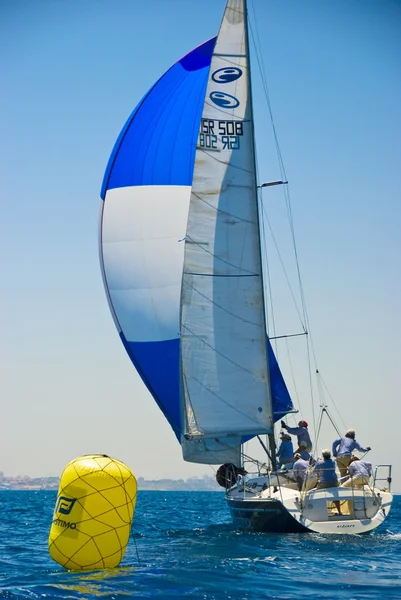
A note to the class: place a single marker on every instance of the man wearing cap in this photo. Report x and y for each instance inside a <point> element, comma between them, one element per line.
<point>302,472</point>
<point>342,450</point>
<point>286,451</point>
<point>301,432</point>
<point>360,472</point>
<point>305,455</point>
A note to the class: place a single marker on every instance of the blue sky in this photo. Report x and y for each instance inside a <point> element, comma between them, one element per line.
<point>71,74</point>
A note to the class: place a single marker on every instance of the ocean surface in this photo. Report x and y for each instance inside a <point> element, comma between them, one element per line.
<point>183,545</point>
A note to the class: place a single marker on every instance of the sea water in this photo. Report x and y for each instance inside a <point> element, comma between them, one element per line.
<point>183,545</point>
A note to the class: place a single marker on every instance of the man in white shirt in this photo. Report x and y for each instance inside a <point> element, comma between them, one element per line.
<point>360,472</point>
<point>302,472</point>
<point>342,450</point>
<point>301,432</point>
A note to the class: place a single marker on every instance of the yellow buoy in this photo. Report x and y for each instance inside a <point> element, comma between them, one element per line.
<point>93,514</point>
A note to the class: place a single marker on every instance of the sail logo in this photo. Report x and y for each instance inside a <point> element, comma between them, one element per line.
<point>224,100</point>
<point>226,75</point>
<point>64,505</point>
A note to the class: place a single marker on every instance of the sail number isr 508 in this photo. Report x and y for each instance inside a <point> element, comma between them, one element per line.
<point>220,135</point>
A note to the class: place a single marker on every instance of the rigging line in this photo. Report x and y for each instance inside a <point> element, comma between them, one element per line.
<point>319,426</point>
<point>284,270</point>
<point>311,385</point>
<point>236,63</point>
<point>136,549</point>
<point>202,339</point>
<point>309,344</point>
<point>286,191</point>
<point>254,463</point>
<point>281,163</point>
<point>332,421</point>
<point>222,162</point>
<point>230,448</point>
<point>265,448</point>
<point>293,376</point>
<point>259,57</point>
<point>249,458</point>
<point>300,284</point>
<point>222,307</point>
<point>237,276</point>
<point>188,396</point>
<point>323,403</point>
<point>220,210</point>
<point>332,399</point>
<point>245,455</point>
<point>234,408</point>
<point>226,262</point>
<point>240,12</point>
<point>267,270</point>
<point>265,263</point>
<point>290,335</point>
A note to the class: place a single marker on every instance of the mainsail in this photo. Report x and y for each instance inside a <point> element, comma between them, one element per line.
<point>161,243</point>
<point>225,387</point>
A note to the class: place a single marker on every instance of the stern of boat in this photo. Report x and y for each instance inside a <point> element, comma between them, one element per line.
<point>273,503</point>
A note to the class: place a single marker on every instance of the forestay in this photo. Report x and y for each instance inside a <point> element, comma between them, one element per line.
<point>224,366</point>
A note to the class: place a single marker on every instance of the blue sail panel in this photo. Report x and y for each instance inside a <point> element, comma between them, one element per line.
<point>282,403</point>
<point>157,144</point>
<point>158,365</point>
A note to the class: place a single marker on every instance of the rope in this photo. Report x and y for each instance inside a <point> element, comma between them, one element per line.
<point>302,313</point>
<point>136,549</point>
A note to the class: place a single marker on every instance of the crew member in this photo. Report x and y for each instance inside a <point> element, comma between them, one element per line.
<point>301,432</point>
<point>325,469</point>
<point>360,472</point>
<point>286,451</point>
<point>302,472</point>
<point>342,450</point>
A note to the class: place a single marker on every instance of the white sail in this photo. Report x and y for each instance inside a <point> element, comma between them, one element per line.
<point>225,380</point>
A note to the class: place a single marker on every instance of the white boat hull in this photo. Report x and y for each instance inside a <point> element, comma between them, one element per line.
<point>262,507</point>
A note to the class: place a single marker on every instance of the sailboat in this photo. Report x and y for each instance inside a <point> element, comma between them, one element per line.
<point>180,252</point>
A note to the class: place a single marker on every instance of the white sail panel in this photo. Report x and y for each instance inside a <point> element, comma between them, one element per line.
<point>143,249</point>
<point>225,385</point>
<point>212,451</point>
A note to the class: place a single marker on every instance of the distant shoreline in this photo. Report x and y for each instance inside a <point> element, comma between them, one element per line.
<point>161,489</point>
<point>195,484</point>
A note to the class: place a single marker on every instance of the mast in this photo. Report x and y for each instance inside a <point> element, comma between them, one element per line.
<point>272,442</point>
